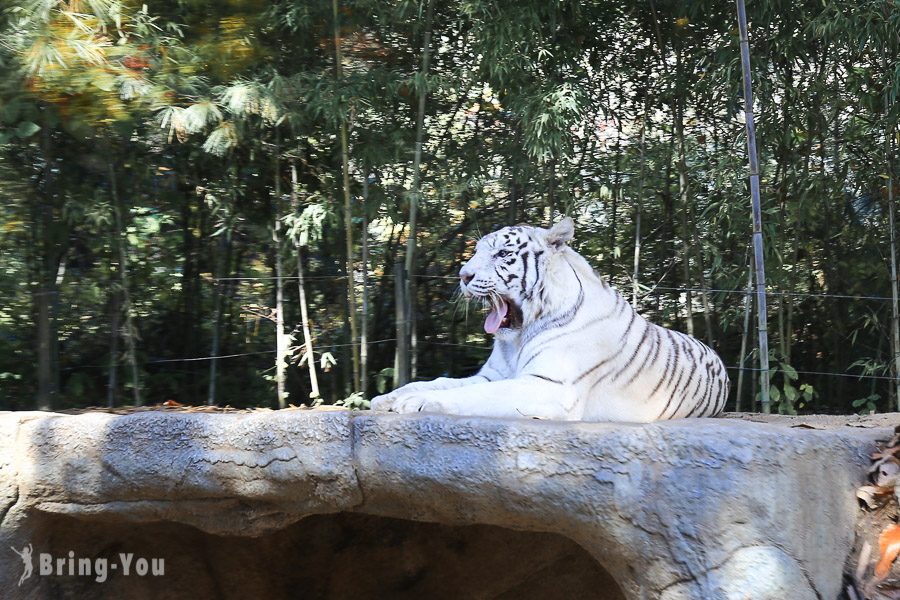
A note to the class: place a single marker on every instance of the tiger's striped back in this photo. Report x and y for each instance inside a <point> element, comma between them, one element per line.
<point>688,378</point>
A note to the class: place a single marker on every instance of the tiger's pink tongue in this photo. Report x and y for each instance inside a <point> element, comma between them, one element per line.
<point>495,317</point>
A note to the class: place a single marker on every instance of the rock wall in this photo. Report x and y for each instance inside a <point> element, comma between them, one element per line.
<point>699,509</point>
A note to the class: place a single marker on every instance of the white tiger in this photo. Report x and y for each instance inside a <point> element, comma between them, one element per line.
<point>566,345</point>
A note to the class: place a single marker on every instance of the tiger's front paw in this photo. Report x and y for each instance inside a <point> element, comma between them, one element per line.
<point>408,403</point>
<point>418,403</point>
<point>385,402</point>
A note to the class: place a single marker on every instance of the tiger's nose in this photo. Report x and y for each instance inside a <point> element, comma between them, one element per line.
<point>466,276</point>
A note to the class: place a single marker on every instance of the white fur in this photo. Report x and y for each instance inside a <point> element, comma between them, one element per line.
<point>605,363</point>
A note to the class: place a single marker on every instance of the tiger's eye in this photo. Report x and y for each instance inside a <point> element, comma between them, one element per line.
<point>504,253</point>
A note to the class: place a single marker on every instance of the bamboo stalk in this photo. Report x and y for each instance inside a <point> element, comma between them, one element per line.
<point>113,375</point>
<point>301,290</point>
<point>616,191</point>
<point>757,211</point>
<point>704,285</point>
<point>639,209</point>
<point>895,304</point>
<point>409,262</point>
<point>130,331</point>
<point>281,338</point>
<point>348,210</point>
<point>45,294</point>
<point>635,286</point>
<point>744,336</point>
<point>364,324</point>
<point>401,357</point>
<point>683,197</point>
<point>222,265</point>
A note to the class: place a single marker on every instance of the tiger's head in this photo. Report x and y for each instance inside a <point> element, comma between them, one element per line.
<point>508,269</point>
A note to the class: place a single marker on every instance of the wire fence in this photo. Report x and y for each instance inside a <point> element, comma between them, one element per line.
<point>328,346</point>
<point>333,277</point>
<point>486,348</point>
<point>646,292</point>
<point>747,292</point>
<point>801,372</point>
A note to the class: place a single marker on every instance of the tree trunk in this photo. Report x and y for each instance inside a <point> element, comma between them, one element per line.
<point>639,206</point>
<point>223,260</point>
<point>757,211</point>
<point>348,235</point>
<point>412,307</point>
<point>348,210</point>
<point>47,391</point>
<point>401,357</point>
<point>704,284</point>
<point>364,319</point>
<point>683,197</point>
<point>744,337</point>
<point>301,289</point>
<point>551,191</point>
<point>414,197</point>
<point>112,381</point>
<point>191,294</point>
<point>786,158</point>
<point>513,199</point>
<point>45,290</point>
<point>130,332</point>
<point>282,341</point>
<point>782,348</point>
<point>895,303</point>
<point>616,191</point>
<point>789,300</point>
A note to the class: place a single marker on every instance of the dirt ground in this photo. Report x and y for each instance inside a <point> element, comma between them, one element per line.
<point>809,421</point>
<point>827,422</point>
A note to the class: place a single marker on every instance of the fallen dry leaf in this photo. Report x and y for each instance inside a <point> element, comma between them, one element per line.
<point>172,403</point>
<point>874,495</point>
<point>889,547</point>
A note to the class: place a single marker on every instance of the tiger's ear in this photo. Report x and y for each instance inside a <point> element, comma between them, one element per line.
<point>561,233</point>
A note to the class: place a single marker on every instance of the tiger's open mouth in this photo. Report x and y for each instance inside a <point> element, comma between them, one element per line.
<point>504,314</point>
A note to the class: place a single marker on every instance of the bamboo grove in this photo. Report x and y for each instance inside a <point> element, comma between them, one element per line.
<point>263,203</point>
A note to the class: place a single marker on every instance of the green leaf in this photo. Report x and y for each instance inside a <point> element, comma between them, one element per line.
<point>790,392</point>
<point>27,129</point>
<point>774,394</point>
<point>789,371</point>
<point>382,379</point>
<point>808,391</point>
<point>10,112</point>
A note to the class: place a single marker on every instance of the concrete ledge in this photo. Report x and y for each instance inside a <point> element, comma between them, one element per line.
<point>705,509</point>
